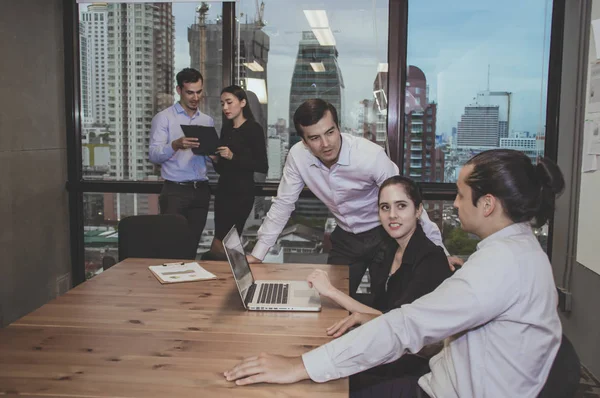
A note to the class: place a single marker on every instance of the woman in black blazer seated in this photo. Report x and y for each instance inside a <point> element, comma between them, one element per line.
<point>407,266</point>
<point>242,152</point>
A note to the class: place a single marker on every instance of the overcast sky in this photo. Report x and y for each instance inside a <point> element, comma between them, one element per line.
<point>452,42</point>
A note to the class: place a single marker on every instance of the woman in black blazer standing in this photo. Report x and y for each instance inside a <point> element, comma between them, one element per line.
<point>242,152</point>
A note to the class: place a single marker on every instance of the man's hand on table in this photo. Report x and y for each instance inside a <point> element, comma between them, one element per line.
<point>267,368</point>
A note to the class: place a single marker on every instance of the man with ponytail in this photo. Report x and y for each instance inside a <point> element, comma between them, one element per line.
<point>497,315</point>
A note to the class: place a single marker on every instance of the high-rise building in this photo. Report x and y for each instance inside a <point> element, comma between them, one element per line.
<point>316,75</point>
<point>205,38</point>
<point>502,100</point>
<point>372,113</point>
<point>84,73</point>
<point>380,107</point>
<point>478,127</point>
<point>140,62</point>
<point>422,162</point>
<point>140,75</point>
<point>94,35</point>
<point>250,67</point>
<point>529,146</point>
<point>276,153</point>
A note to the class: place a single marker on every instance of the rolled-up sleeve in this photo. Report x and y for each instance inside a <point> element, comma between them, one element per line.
<point>160,147</point>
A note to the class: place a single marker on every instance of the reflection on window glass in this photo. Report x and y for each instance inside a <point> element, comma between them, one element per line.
<point>128,65</point>
<point>476,80</point>
<point>102,212</point>
<point>305,239</point>
<point>458,242</point>
<point>288,51</point>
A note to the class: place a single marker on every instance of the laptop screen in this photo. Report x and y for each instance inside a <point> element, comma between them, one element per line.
<point>237,260</point>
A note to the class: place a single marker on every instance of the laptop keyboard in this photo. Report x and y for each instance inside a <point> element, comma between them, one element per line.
<point>273,293</point>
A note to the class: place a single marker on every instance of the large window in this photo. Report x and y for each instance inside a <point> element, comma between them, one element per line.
<point>284,53</point>
<point>289,51</point>
<point>476,80</point>
<point>130,54</point>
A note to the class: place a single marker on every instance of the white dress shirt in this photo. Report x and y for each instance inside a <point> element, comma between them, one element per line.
<point>349,189</point>
<point>499,309</point>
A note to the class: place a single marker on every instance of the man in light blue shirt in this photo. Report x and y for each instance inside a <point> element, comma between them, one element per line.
<point>186,190</point>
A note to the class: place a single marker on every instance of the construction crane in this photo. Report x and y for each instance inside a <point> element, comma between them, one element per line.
<point>260,12</point>
<point>202,10</point>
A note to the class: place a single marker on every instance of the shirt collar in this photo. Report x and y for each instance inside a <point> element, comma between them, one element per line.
<point>513,229</point>
<point>179,109</point>
<point>416,245</point>
<point>344,158</point>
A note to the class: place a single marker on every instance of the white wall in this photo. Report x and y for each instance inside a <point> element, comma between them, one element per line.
<point>588,237</point>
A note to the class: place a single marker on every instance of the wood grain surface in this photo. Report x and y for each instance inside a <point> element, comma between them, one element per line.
<point>123,334</point>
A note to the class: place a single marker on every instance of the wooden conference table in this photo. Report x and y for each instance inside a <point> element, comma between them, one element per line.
<point>123,334</point>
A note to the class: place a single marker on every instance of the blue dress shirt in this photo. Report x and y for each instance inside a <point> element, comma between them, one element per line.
<point>181,165</point>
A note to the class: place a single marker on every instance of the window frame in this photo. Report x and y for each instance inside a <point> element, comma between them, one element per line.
<point>76,185</point>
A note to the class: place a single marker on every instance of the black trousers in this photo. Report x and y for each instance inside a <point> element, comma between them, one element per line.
<point>406,387</point>
<point>403,371</point>
<point>189,201</point>
<point>355,250</point>
<point>232,208</point>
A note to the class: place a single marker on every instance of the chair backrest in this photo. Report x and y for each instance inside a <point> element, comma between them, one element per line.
<point>156,236</point>
<point>107,262</point>
<point>563,380</point>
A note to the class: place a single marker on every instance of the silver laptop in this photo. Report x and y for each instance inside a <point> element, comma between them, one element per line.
<point>266,295</point>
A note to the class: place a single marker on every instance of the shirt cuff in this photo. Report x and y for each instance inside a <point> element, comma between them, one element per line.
<point>319,366</point>
<point>260,250</point>
<point>169,151</point>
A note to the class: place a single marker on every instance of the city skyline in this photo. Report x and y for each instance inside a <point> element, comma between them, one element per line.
<point>475,37</point>
<point>473,58</point>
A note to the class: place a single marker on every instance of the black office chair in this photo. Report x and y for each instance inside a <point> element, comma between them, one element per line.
<point>107,262</point>
<point>563,380</point>
<point>156,236</point>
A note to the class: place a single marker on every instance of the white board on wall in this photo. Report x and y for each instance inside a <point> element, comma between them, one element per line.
<point>588,234</point>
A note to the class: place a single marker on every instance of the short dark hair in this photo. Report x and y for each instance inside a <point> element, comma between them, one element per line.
<point>526,191</point>
<point>188,75</point>
<point>412,189</point>
<point>311,111</point>
<point>240,94</point>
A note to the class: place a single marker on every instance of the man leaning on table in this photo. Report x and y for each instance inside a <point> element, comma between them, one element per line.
<point>186,189</point>
<point>345,173</point>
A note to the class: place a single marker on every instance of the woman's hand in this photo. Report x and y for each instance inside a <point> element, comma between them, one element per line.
<point>225,152</point>
<point>320,281</point>
<point>455,262</point>
<point>357,318</point>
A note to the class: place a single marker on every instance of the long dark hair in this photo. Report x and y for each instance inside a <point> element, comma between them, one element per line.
<point>526,191</point>
<point>412,189</point>
<point>240,94</point>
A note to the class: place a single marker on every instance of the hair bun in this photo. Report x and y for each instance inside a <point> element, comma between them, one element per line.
<point>549,176</point>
